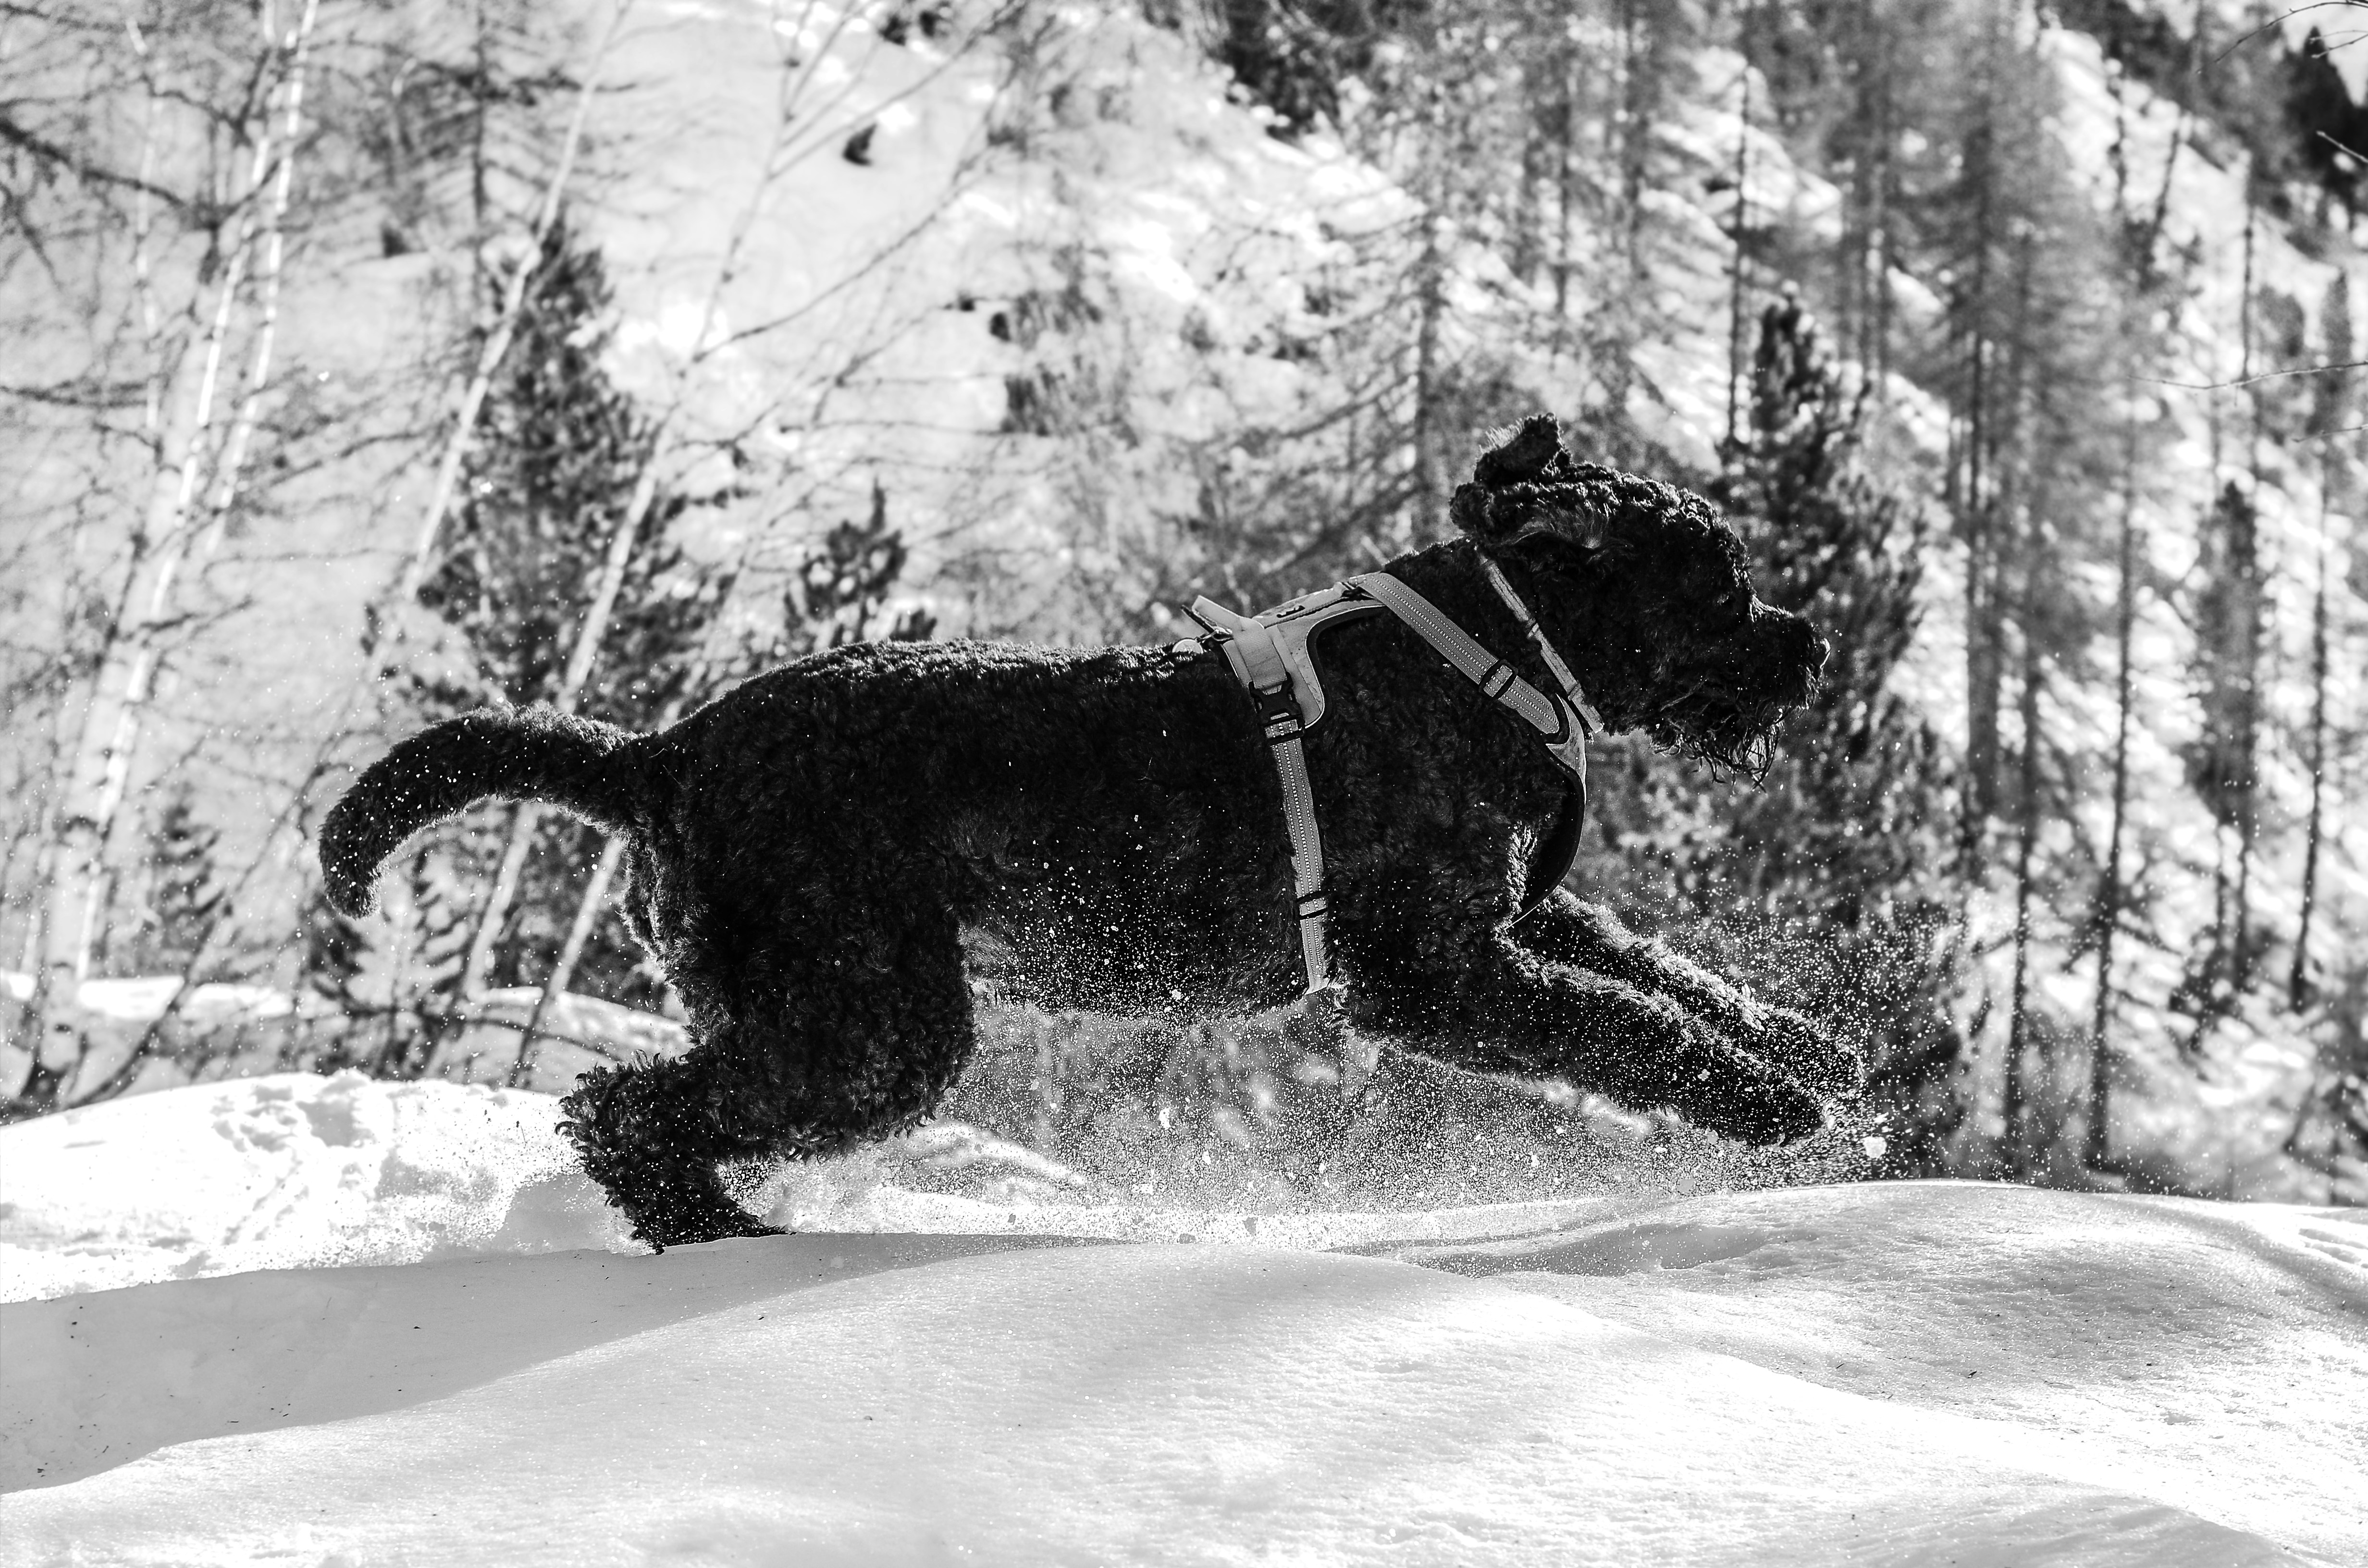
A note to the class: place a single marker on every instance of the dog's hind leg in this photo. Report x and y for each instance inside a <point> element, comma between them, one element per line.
<point>652,1135</point>
<point>1571,931</point>
<point>834,1020</point>
<point>1506,1009</point>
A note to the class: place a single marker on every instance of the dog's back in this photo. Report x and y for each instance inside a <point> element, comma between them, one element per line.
<point>1108,814</point>
<point>1056,798</point>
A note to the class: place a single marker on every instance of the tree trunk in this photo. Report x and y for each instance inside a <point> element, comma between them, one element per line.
<point>232,461</point>
<point>2298,986</point>
<point>2098,1147</point>
<point>517,843</point>
<point>2018,1038</point>
<point>2241,960</point>
<point>1738,299</point>
<point>1431,490</point>
<point>97,761</point>
<point>579,932</point>
<point>1978,511</point>
<point>1975,509</point>
<point>1565,179</point>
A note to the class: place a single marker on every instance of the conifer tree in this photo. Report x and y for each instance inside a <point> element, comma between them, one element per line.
<point>2330,1130</point>
<point>1844,840</point>
<point>395,976</point>
<point>845,583</point>
<point>2223,763</point>
<point>338,951</point>
<point>184,890</point>
<point>558,453</point>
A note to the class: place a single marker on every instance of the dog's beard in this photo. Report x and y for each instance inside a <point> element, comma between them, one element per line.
<point>1738,741</point>
<point>1731,729</point>
<point>1724,709</point>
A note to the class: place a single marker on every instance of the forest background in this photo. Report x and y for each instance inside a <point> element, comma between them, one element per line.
<point>362,362</point>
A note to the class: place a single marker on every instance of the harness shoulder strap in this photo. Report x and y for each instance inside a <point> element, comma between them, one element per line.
<point>1552,716</point>
<point>1562,719</point>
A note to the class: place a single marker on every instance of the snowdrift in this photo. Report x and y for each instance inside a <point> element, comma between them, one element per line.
<point>1909,1373</point>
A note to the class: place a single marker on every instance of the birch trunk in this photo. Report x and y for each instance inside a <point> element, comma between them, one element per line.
<point>105,741</point>
<point>579,932</point>
<point>98,754</point>
<point>274,249</point>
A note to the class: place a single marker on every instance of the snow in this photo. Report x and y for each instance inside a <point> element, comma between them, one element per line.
<point>250,1029</point>
<point>1908,1373</point>
<point>289,1171</point>
<point>142,998</point>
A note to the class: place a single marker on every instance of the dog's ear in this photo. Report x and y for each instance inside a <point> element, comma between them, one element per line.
<point>1518,456</point>
<point>1523,485</point>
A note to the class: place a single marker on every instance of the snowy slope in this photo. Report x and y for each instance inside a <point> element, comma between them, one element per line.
<point>287,1171</point>
<point>1897,1374</point>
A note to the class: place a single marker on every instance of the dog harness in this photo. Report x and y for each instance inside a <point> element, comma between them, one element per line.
<point>1268,653</point>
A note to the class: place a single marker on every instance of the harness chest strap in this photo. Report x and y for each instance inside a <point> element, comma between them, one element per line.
<point>1289,700</point>
<point>1268,655</point>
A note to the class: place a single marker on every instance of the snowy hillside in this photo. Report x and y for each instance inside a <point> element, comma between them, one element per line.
<point>1895,1374</point>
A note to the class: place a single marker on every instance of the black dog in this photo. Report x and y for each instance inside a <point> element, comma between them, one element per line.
<point>807,850</point>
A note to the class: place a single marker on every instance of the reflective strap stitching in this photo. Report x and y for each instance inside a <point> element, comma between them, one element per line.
<point>1306,858</point>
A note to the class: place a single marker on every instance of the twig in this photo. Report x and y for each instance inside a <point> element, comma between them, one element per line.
<point>2249,380</point>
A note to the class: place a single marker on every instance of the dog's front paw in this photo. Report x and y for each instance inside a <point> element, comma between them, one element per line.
<point>1761,1109</point>
<point>1807,1054</point>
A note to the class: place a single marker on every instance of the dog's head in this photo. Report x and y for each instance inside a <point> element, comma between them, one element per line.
<point>1647,593</point>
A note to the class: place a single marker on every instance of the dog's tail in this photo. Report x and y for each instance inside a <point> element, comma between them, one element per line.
<point>532,754</point>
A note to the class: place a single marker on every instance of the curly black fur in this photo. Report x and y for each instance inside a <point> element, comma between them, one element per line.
<point>1702,666</point>
<point>539,754</point>
<point>807,851</point>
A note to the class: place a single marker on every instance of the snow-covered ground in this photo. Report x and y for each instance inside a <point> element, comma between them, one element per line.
<point>1916,1373</point>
